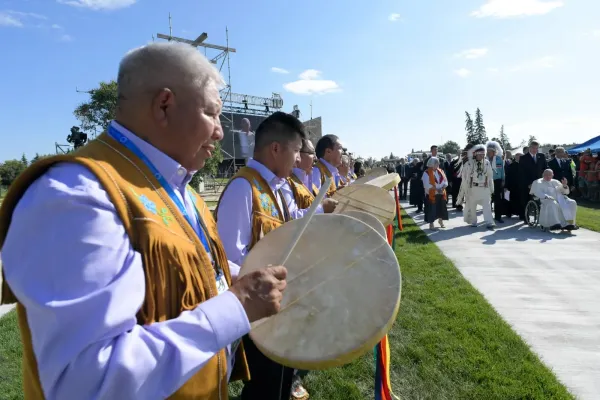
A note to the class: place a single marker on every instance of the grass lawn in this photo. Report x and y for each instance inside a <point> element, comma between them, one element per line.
<point>10,358</point>
<point>588,216</point>
<point>448,343</point>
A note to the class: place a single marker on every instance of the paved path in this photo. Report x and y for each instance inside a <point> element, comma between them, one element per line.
<point>545,285</point>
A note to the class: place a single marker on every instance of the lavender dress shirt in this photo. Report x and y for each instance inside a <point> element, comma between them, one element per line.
<point>83,285</point>
<point>305,178</point>
<point>234,215</point>
<point>316,175</point>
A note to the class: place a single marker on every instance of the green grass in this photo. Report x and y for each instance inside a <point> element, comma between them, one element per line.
<point>588,216</point>
<point>447,343</point>
<point>10,358</point>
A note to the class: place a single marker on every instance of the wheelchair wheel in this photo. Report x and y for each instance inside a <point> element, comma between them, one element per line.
<point>532,214</point>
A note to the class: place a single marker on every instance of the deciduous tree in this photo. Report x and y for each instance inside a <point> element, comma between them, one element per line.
<point>96,114</point>
<point>450,147</point>
<point>9,171</point>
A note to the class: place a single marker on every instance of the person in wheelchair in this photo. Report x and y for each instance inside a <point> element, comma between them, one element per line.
<point>556,211</point>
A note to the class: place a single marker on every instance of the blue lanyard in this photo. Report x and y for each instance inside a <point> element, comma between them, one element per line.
<point>119,137</point>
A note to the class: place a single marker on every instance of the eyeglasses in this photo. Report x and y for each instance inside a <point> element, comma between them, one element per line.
<point>310,153</point>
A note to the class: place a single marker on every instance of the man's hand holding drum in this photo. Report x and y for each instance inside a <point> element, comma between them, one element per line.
<point>260,292</point>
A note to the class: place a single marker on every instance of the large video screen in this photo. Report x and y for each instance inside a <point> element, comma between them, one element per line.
<point>231,139</point>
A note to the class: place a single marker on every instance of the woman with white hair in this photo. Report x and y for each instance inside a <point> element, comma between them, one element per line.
<point>435,184</point>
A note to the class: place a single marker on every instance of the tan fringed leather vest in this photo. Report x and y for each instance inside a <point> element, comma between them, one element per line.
<point>178,272</point>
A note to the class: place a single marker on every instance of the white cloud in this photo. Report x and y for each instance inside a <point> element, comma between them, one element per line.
<point>27,14</point>
<point>66,38</point>
<point>8,20</point>
<point>515,8</point>
<point>56,26</point>
<point>493,70</point>
<point>309,83</point>
<point>99,4</point>
<point>279,70</point>
<point>394,17</point>
<point>463,72</point>
<point>595,33</point>
<point>16,18</point>
<point>310,74</point>
<point>472,53</point>
<point>537,64</point>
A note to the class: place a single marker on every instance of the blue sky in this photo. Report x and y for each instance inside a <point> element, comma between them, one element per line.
<point>396,75</point>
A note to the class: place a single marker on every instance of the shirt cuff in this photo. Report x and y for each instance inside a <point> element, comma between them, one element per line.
<point>320,209</point>
<point>234,270</point>
<point>227,318</point>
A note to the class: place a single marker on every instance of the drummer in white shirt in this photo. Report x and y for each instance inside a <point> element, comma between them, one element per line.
<point>344,171</point>
<point>329,152</point>
<point>303,172</point>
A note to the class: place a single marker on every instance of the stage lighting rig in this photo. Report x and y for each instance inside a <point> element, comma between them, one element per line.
<point>77,138</point>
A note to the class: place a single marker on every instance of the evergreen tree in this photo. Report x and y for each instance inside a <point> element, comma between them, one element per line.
<point>469,128</point>
<point>24,160</point>
<point>504,141</point>
<point>480,133</point>
<point>531,139</point>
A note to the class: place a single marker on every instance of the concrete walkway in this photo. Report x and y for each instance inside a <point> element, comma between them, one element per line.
<point>545,285</point>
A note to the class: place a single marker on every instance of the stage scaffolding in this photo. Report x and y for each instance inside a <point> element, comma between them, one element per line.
<point>235,106</point>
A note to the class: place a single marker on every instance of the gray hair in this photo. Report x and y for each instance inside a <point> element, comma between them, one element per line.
<point>433,161</point>
<point>345,159</point>
<point>560,149</point>
<point>155,66</point>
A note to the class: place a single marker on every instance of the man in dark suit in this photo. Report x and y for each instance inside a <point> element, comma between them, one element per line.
<point>434,153</point>
<point>531,167</point>
<point>562,167</point>
<point>404,171</point>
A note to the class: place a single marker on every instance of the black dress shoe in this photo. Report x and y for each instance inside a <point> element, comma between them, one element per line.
<point>499,220</point>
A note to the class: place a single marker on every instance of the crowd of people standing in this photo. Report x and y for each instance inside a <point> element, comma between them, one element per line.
<point>500,178</point>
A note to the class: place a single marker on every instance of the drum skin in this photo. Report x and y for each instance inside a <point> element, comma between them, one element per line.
<point>368,219</point>
<point>386,182</point>
<point>372,174</point>
<point>368,198</point>
<point>342,294</point>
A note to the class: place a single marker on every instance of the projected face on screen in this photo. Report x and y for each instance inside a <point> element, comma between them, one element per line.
<point>235,125</point>
<point>246,125</point>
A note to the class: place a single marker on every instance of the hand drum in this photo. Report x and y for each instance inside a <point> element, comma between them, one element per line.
<point>342,295</point>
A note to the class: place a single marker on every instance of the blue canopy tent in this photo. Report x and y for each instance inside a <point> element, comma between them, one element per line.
<point>593,144</point>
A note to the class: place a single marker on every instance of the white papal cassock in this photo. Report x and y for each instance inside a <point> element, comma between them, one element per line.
<point>557,208</point>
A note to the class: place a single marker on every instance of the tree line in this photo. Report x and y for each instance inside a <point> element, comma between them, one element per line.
<point>477,134</point>
<point>10,169</point>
